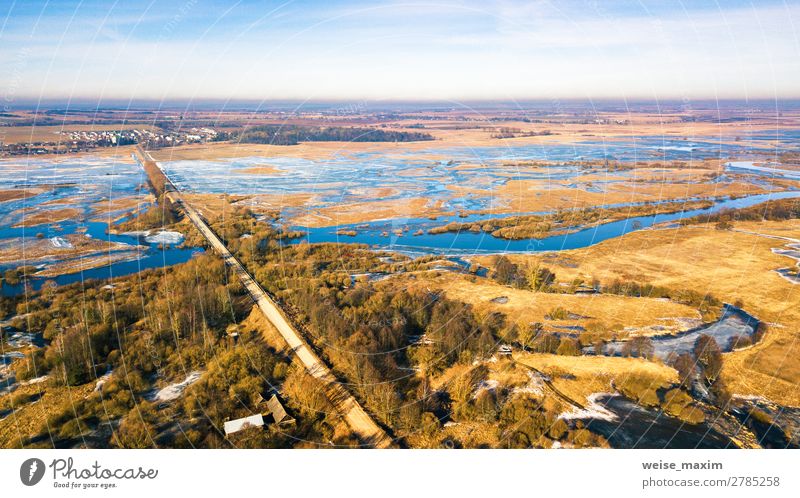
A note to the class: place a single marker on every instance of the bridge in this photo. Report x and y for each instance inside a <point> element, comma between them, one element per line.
<point>351,411</point>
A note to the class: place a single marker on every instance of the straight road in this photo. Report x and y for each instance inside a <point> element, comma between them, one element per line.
<point>346,405</point>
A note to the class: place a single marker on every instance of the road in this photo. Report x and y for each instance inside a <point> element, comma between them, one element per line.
<point>359,421</point>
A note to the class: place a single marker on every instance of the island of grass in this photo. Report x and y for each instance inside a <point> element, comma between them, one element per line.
<point>565,221</point>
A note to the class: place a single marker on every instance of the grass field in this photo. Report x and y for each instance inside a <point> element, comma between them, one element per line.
<point>579,376</point>
<point>729,264</point>
<point>619,315</point>
<point>30,419</point>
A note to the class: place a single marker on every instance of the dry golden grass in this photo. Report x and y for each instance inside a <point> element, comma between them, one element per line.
<point>520,196</point>
<point>310,150</point>
<point>31,419</point>
<point>87,263</point>
<point>42,249</point>
<point>579,376</point>
<point>525,306</point>
<point>33,217</point>
<point>730,265</point>
<point>360,212</point>
<point>21,193</point>
<point>455,132</point>
<point>259,170</point>
<point>213,206</point>
<point>130,203</point>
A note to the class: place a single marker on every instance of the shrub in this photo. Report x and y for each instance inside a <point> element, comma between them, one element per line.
<point>568,347</point>
<point>557,313</point>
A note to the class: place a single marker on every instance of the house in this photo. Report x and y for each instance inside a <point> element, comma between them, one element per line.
<point>240,424</point>
<point>278,413</point>
<point>504,350</point>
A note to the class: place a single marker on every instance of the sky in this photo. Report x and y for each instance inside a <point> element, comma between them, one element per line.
<point>397,50</point>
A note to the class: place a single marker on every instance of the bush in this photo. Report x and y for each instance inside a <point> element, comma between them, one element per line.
<point>507,273</point>
<point>641,388</point>
<point>525,417</point>
<point>557,313</point>
<point>558,429</point>
<point>739,342</point>
<point>709,356</point>
<point>675,401</point>
<point>136,430</point>
<point>568,347</point>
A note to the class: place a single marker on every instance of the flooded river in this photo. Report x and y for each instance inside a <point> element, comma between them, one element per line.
<point>733,322</point>
<point>82,183</point>
<point>398,234</point>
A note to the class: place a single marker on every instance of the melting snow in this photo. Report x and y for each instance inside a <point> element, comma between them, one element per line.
<point>160,237</point>
<point>102,381</point>
<point>534,385</point>
<point>60,243</point>
<point>35,380</point>
<point>173,391</point>
<point>593,410</point>
<point>485,385</point>
<point>164,237</point>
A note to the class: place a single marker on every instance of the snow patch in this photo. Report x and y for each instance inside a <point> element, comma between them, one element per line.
<point>60,243</point>
<point>534,386</point>
<point>35,380</point>
<point>173,391</point>
<point>593,410</point>
<point>102,381</point>
<point>164,237</point>
<point>485,385</point>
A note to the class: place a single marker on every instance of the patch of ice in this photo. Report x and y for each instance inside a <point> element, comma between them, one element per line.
<point>534,385</point>
<point>102,381</point>
<point>173,391</point>
<point>593,410</point>
<point>480,361</point>
<point>60,243</point>
<point>485,385</point>
<point>35,380</point>
<point>750,397</point>
<point>21,339</point>
<point>164,237</point>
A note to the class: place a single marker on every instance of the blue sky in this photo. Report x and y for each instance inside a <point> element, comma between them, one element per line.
<point>399,50</point>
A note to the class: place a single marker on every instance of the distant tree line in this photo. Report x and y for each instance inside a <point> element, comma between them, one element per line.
<point>293,134</point>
